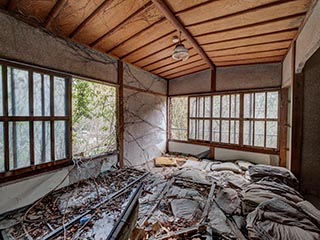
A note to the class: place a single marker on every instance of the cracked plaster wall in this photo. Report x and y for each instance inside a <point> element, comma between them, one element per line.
<point>144,116</point>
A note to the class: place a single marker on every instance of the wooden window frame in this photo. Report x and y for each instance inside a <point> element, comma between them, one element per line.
<point>8,174</point>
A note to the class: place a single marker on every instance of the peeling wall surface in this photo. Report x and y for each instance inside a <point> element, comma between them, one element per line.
<point>22,42</point>
<point>144,117</point>
<point>27,190</point>
<point>248,77</point>
<point>308,40</point>
<point>192,83</point>
<point>310,177</point>
<point>287,69</point>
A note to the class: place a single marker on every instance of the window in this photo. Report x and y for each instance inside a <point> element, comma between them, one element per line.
<point>178,118</point>
<point>243,119</point>
<point>200,116</point>
<point>34,118</point>
<point>94,118</point>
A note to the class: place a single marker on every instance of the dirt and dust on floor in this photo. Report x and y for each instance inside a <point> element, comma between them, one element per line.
<point>174,197</point>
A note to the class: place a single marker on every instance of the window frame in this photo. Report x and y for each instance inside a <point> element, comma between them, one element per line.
<point>240,145</point>
<point>8,174</point>
<point>170,119</point>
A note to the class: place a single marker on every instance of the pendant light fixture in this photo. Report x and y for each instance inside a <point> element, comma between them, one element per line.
<point>180,52</point>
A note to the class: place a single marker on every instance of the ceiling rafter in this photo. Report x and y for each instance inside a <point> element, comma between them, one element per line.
<point>146,7</point>
<point>84,23</point>
<point>186,64</point>
<point>161,5</point>
<point>54,12</point>
<point>189,71</point>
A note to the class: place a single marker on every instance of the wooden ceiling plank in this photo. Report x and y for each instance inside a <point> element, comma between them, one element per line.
<point>171,17</point>
<point>180,6</point>
<point>253,48</point>
<point>251,41</point>
<point>250,61</point>
<point>189,65</point>
<point>186,72</point>
<point>251,55</point>
<point>139,33</point>
<point>252,17</point>
<point>121,24</point>
<point>96,12</point>
<point>60,4</point>
<point>263,28</point>
<point>177,64</point>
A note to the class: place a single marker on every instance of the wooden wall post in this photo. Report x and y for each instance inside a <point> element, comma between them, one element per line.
<point>120,115</point>
<point>283,127</point>
<point>297,123</point>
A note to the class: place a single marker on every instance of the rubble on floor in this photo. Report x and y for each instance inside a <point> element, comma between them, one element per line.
<point>182,198</point>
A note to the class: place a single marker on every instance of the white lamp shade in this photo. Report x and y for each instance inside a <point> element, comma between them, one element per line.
<point>180,52</point>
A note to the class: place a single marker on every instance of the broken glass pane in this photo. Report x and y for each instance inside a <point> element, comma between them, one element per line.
<point>272,134</point>
<point>235,105</point>
<point>216,130</point>
<point>234,132</point>
<point>18,92</point>
<point>1,148</point>
<point>216,106</point>
<point>206,130</point>
<point>259,133</point>
<point>272,105</point>
<point>225,131</point>
<point>1,98</point>
<point>19,145</point>
<point>41,94</point>
<point>247,132</point>
<point>192,131</point>
<point>60,130</point>
<point>207,106</point>
<point>200,107</point>
<point>225,106</point>
<point>200,130</point>
<point>60,97</point>
<point>42,142</point>
<point>193,106</point>
<point>260,105</point>
<point>248,105</point>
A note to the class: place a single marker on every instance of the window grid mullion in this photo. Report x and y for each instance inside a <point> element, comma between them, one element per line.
<point>51,120</point>
<point>31,123</point>
<point>265,122</point>
<point>5,113</point>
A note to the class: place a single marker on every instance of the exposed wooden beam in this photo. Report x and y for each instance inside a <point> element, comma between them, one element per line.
<point>11,4</point>
<point>188,71</point>
<point>97,11</point>
<point>283,127</point>
<point>60,4</point>
<point>183,67</point>
<point>250,61</point>
<point>161,5</point>
<point>146,7</point>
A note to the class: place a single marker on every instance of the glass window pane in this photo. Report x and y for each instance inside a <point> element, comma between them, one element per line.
<point>42,142</point>
<point>272,134</point>
<point>60,130</point>
<point>235,105</point>
<point>1,148</point>
<point>259,133</point>
<point>272,105</point>
<point>260,105</point>
<point>1,98</point>
<point>234,132</point>
<point>248,105</point>
<point>207,107</point>
<point>19,145</point>
<point>200,107</point>
<point>206,130</point>
<point>225,131</point>
<point>200,130</point>
<point>60,105</point>
<point>225,106</point>
<point>192,107</point>
<point>192,130</point>
<point>247,132</point>
<point>216,130</point>
<point>41,95</point>
<point>216,106</point>
<point>18,92</point>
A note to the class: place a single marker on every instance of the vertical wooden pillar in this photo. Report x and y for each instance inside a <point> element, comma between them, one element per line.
<point>168,119</point>
<point>213,89</point>
<point>120,115</point>
<point>283,126</point>
<point>297,123</point>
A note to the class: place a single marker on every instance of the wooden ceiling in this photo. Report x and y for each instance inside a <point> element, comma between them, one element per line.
<point>228,32</point>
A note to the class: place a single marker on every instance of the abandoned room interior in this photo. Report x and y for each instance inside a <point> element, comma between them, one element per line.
<point>160,119</point>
